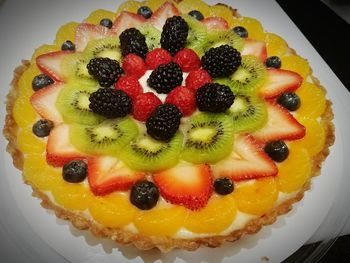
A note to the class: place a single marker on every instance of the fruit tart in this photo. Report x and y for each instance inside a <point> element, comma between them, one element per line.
<point>168,124</point>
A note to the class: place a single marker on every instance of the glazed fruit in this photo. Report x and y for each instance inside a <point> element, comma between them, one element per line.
<point>196,14</point>
<point>105,70</point>
<point>187,59</point>
<point>103,48</point>
<point>273,62</point>
<point>68,46</point>
<point>106,23</point>
<point>130,85</point>
<point>158,57</point>
<point>74,171</point>
<point>197,79</point>
<point>290,101</point>
<point>184,99</point>
<point>197,35</point>
<point>132,41</point>
<point>144,105</point>
<point>277,150</point>
<point>144,195</point>
<point>223,186</point>
<point>42,128</point>
<point>241,31</point>
<point>151,34</point>
<point>134,65</point>
<point>145,11</point>
<point>41,81</point>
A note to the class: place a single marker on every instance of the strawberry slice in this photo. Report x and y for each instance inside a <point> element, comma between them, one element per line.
<point>59,150</point>
<point>44,101</point>
<point>50,63</point>
<point>256,48</point>
<point>108,174</point>
<point>162,14</point>
<point>215,23</point>
<point>87,32</point>
<point>186,184</point>
<point>247,161</point>
<point>281,125</point>
<point>280,81</point>
<point>126,20</point>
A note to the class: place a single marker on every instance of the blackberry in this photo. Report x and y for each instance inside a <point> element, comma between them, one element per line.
<point>132,41</point>
<point>174,34</point>
<point>165,77</point>
<point>110,103</point>
<point>105,70</point>
<point>221,61</point>
<point>214,97</point>
<point>164,122</point>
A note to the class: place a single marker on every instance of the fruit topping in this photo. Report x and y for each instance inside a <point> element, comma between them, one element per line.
<point>105,70</point>
<point>42,128</point>
<point>256,48</point>
<point>75,171</point>
<point>68,46</point>
<point>132,41</point>
<point>184,99</point>
<point>216,38</point>
<point>106,22</point>
<point>196,14</point>
<point>145,11</point>
<point>197,78</point>
<point>164,122</point>
<point>130,85</point>
<point>277,150</point>
<point>164,12</point>
<point>134,65</point>
<point>241,31</point>
<point>41,81</point>
<point>50,64</point>
<point>186,184</point>
<point>273,62</point>
<point>144,105</point>
<point>151,34</point>
<point>88,32</point>
<point>215,23</point>
<point>221,61</point>
<point>144,195</point>
<point>197,35</point>
<point>297,64</point>
<point>74,68</point>
<point>165,77</point>
<point>223,186</point>
<point>290,101</point>
<point>126,20</point>
<point>214,97</point>
<point>174,34</point>
<point>187,59</point>
<point>253,26</point>
<point>157,57</point>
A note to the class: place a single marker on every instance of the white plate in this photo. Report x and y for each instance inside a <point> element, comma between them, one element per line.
<point>28,24</point>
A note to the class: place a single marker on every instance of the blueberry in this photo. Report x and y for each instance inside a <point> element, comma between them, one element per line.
<point>41,81</point>
<point>273,62</point>
<point>106,23</point>
<point>241,31</point>
<point>196,14</point>
<point>290,101</point>
<point>145,11</point>
<point>68,46</point>
<point>277,150</point>
<point>75,171</point>
<point>144,195</point>
<point>42,128</point>
<point>223,186</point>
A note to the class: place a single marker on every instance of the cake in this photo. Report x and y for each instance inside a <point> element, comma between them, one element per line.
<point>168,124</point>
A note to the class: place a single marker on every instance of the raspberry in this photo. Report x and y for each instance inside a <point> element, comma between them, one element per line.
<point>134,65</point>
<point>187,59</point>
<point>144,105</point>
<point>197,79</point>
<point>130,85</point>
<point>184,99</point>
<point>157,57</point>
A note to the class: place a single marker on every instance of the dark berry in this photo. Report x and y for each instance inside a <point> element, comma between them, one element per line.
<point>174,34</point>
<point>277,150</point>
<point>110,103</point>
<point>221,61</point>
<point>273,62</point>
<point>42,128</point>
<point>164,122</point>
<point>105,70</point>
<point>290,101</point>
<point>41,81</point>
<point>145,11</point>
<point>223,186</point>
<point>165,77</point>
<point>106,23</point>
<point>68,46</point>
<point>241,31</point>
<point>75,171</point>
<point>214,97</point>
<point>144,195</point>
<point>132,41</point>
<point>196,14</point>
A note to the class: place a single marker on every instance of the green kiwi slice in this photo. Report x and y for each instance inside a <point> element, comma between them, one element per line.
<point>73,104</point>
<point>208,138</point>
<point>147,154</point>
<point>249,113</point>
<point>197,35</point>
<point>108,137</point>
<point>74,68</point>
<point>151,34</point>
<point>218,38</point>
<point>104,48</point>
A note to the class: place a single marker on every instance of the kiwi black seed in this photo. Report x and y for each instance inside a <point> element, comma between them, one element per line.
<point>197,35</point>
<point>151,34</point>
<point>102,48</point>
<point>74,67</point>
<point>218,38</point>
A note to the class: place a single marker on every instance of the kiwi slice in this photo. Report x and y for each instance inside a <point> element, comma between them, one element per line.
<point>104,48</point>
<point>74,68</point>
<point>197,35</point>
<point>147,154</point>
<point>249,113</point>
<point>218,38</point>
<point>151,34</point>
<point>209,138</point>
<point>108,137</point>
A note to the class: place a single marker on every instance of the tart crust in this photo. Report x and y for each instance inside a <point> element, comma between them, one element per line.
<point>163,243</point>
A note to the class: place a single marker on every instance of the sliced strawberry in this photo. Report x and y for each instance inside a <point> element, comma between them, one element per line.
<point>256,48</point>
<point>186,184</point>
<point>44,101</point>
<point>162,14</point>
<point>50,63</point>
<point>87,32</point>
<point>59,150</point>
<point>280,81</point>
<point>247,161</point>
<point>109,174</point>
<point>126,20</point>
<point>215,23</point>
<point>281,125</point>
